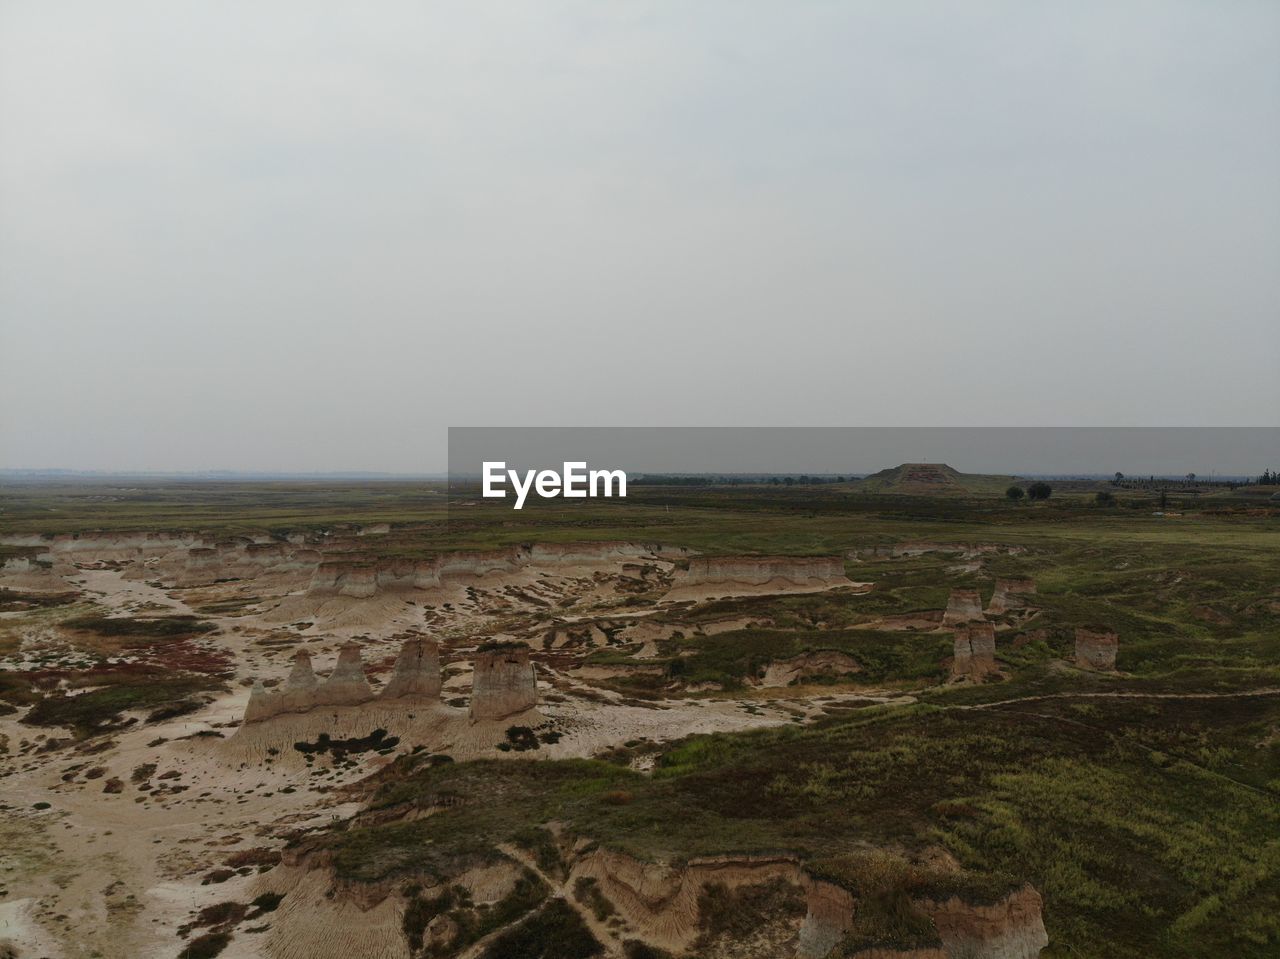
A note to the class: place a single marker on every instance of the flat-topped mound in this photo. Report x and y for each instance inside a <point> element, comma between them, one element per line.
<point>931,479</point>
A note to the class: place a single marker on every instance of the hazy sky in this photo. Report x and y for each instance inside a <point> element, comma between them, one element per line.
<point>310,236</point>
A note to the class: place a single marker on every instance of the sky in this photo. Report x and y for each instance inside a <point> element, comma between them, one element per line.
<point>312,236</point>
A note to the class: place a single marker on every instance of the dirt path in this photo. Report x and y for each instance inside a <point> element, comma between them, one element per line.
<point>559,890</point>
<point>1040,697</point>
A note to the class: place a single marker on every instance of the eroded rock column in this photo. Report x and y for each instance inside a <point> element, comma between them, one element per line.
<point>417,672</point>
<point>346,685</point>
<point>975,651</point>
<point>503,683</point>
<point>1010,594</point>
<point>262,704</point>
<point>300,688</point>
<point>963,606</point>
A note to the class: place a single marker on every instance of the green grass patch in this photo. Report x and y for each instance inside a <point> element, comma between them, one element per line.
<point>1131,817</point>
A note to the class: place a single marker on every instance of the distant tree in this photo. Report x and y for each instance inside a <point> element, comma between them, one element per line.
<point>1164,500</point>
<point>788,480</point>
<point>1015,493</point>
<point>1040,490</point>
<point>1105,498</point>
<point>1119,476</point>
<point>1191,477</point>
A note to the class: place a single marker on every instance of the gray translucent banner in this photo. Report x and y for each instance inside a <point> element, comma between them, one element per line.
<point>1223,452</point>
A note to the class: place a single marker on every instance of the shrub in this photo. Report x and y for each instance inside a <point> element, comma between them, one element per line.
<point>546,853</point>
<point>587,891</point>
<point>206,947</point>
<point>418,915</point>
<point>267,902</point>
<point>520,739</point>
<point>1039,490</point>
<point>220,914</point>
<point>259,856</point>
<point>635,949</point>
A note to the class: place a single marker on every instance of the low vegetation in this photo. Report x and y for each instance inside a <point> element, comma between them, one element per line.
<point>468,923</point>
<point>1143,805</point>
<point>736,914</point>
<point>113,634</point>
<point>101,709</point>
<point>1113,809</point>
<point>555,932</point>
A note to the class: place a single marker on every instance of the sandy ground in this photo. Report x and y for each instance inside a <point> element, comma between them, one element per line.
<point>142,826</point>
<point>109,588</point>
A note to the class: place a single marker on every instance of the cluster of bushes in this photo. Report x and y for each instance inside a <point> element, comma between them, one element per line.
<point>377,741</point>
<point>1036,491</point>
<point>101,709</point>
<point>149,628</point>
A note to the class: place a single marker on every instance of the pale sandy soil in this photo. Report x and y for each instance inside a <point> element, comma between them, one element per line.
<point>109,588</point>
<point>115,874</point>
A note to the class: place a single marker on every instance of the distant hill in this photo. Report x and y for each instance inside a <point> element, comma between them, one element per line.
<point>932,479</point>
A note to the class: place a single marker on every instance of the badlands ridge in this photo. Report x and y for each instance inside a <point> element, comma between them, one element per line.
<point>525,652</point>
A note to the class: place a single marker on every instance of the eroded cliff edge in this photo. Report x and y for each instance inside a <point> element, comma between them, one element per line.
<point>548,883</point>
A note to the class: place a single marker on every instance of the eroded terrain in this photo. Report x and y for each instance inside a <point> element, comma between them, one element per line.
<point>637,746</point>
